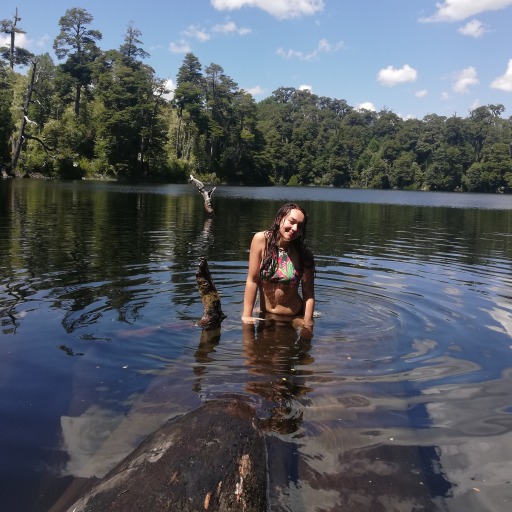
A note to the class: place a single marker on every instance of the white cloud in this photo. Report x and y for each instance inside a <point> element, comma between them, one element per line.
<point>196,33</point>
<point>289,54</point>
<point>179,47</point>
<point>40,43</point>
<point>256,91</point>
<point>171,86</point>
<point>366,105</point>
<point>392,76</point>
<point>504,82</point>
<point>473,28</point>
<point>306,87</point>
<point>323,46</point>
<point>421,94</point>
<point>474,104</point>
<point>280,9</point>
<point>230,28</point>
<point>445,96</point>
<point>464,79</point>
<point>456,10</point>
<point>203,35</point>
<point>22,41</point>
<point>326,46</point>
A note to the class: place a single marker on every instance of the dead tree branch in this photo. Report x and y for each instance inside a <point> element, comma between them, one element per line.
<point>207,194</point>
<point>45,146</point>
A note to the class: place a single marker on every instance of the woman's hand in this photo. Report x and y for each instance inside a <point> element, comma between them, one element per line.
<point>248,319</point>
<point>304,327</point>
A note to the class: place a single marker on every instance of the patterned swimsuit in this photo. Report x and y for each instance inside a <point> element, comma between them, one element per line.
<point>281,271</point>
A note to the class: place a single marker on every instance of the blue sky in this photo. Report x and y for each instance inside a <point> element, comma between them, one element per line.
<point>414,57</point>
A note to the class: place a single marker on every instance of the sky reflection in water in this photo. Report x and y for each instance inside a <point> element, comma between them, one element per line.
<point>401,399</point>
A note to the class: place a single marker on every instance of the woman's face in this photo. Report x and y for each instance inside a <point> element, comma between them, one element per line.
<point>291,226</point>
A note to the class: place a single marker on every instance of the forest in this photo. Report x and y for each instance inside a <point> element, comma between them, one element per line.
<point>99,114</point>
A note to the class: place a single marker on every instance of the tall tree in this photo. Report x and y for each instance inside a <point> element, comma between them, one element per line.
<point>189,97</point>
<point>130,48</point>
<point>128,102</point>
<point>484,124</point>
<point>78,43</point>
<point>220,92</point>
<point>240,159</point>
<point>13,54</point>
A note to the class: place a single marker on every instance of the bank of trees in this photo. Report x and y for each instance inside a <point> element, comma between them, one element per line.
<point>105,113</point>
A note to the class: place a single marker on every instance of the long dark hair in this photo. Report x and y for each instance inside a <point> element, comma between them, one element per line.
<point>270,254</point>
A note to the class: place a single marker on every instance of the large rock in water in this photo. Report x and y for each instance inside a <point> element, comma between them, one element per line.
<point>213,458</point>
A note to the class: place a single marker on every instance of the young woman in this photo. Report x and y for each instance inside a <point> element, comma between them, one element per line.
<point>279,262</point>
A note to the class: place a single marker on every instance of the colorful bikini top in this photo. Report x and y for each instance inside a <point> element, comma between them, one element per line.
<point>281,271</point>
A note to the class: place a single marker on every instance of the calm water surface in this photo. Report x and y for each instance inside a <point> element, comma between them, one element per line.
<point>401,401</point>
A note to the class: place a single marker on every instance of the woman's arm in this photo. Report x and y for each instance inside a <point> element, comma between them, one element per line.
<point>253,275</point>
<point>308,295</point>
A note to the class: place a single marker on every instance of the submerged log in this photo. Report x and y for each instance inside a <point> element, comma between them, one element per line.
<point>211,459</point>
<point>207,194</point>
<point>212,314</point>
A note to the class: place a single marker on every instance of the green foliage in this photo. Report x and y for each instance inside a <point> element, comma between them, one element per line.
<point>77,43</point>
<point>106,114</point>
<point>6,121</point>
<point>493,173</point>
<point>405,173</point>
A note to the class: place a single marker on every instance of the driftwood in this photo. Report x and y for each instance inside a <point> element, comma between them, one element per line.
<point>210,459</point>
<point>212,314</point>
<point>207,194</point>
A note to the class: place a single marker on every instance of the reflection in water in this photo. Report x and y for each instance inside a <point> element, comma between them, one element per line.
<point>209,340</point>
<point>277,360</point>
<point>315,454</point>
<point>276,357</point>
<point>98,431</point>
<point>400,401</point>
<point>475,443</point>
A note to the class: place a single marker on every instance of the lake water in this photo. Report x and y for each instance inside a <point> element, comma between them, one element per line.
<point>402,400</point>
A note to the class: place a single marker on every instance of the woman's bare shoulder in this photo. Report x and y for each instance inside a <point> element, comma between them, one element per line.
<point>259,238</point>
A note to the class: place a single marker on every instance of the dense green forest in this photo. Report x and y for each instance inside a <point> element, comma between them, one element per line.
<point>104,114</point>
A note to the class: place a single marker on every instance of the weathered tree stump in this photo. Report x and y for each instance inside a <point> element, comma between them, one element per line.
<point>211,459</point>
<point>212,314</point>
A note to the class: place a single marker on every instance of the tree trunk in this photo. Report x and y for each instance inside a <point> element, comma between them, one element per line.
<point>78,92</point>
<point>19,141</point>
<point>11,50</point>
<point>13,36</point>
<point>213,315</point>
<point>178,134</point>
